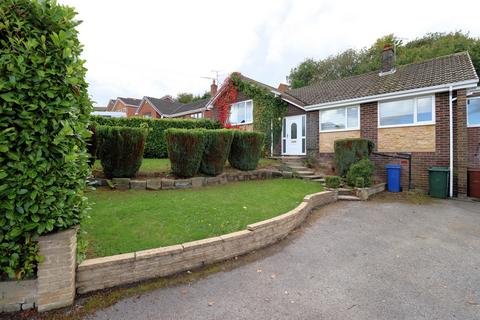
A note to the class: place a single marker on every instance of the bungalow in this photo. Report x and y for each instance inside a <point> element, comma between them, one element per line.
<point>127,105</point>
<point>429,110</point>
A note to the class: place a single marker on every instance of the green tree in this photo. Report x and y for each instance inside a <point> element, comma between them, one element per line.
<point>354,62</point>
<point>186,97</point>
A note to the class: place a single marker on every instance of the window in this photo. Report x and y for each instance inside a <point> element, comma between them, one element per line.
<point>147,115</point>
<point>346,118</point>
<point>473,112</point>
<point>293,131</point>
<point>198,115</point>
<point>415,111</point>
<point>241,112</point>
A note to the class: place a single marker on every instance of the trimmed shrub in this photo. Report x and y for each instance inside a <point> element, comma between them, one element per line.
<point>156,146</point>
<point>362,169</point>
<point>246,149</point>
<point>44,115</point>
<point>120,150</point>
<point>359,182</point>
<point>92,145</point>
<point>185,150</point>
<point>333,182</point>
<point>217,149</point>
<point>349,151</point>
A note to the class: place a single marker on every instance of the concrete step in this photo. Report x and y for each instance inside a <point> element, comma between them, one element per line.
<point>312,177</point>
<point>345,192</point>
<point>348,198</point>
<point>321,180</point>
<point>305,173</point>
<point>298,168</point>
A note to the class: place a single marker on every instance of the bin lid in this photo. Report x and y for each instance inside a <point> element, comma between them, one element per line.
<point>393,166</point>
<point>439,169</point>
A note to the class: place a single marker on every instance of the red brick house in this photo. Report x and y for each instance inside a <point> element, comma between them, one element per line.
<point>429,110</point>
<point>126,105</point>
<point>167,107</point>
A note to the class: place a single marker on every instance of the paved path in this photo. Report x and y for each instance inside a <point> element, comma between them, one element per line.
<point>356,260</point>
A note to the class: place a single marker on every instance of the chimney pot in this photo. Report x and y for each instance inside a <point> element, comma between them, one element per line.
<point>213,88</point>
<point>388,59</point>
<point>282,87</point>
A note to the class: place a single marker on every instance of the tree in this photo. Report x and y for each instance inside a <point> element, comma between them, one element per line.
<point>354,62</point>
<point>185,97</point>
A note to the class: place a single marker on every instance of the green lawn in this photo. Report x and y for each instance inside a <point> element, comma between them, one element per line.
<point>126,221</point>
<point>163,165</point>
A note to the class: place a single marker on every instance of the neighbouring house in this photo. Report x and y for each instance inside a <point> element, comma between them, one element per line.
<point>129,106</point>
<point>110,104</point>
<point>430,110</point>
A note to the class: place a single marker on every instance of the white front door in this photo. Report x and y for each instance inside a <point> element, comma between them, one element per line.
<point>294,135</point>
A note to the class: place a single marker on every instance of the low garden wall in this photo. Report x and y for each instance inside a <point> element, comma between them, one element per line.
<point>106,272</point>
<point>196,182</point>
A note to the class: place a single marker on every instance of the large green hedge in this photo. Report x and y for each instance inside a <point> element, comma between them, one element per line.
<point>246,149</point>
<point>120,150</point>
<point>44,113</point>
<point>348,151</point>
<point>217,149</point>
<point>185,150</point>
<point>156,146</point>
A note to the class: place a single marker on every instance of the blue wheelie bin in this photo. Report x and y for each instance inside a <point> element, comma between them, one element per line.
<point>393,177</point>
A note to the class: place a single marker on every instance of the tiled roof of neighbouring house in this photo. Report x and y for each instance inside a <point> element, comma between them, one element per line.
<point>193,106</point>
<point>439,71</point>
<point>164,106</point>
<point>131,101</point>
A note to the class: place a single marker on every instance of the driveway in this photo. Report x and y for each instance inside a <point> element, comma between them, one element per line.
<point>352,260</point>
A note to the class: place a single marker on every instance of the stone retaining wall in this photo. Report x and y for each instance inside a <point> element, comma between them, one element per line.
<point>106,272</point>
<point>17,295</point>
<point>195,182</point>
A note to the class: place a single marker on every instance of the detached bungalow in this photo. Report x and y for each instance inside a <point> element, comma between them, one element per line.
<point>167,107</point>
<point>127,105</point>
<point>430,110</point>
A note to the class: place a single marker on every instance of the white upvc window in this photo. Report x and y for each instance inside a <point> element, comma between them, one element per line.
<point>340,119</point>
<point>473,112</point>
<point>241,113</point>
<point>198,115</point>
<point>407,112</point>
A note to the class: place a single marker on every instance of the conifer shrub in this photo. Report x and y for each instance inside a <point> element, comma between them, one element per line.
<point>120,150</point>
<point>361,170</point>
<point>185,150</point>
<point>349,151</point>
<point>246,149</point>
<point>217,149</point>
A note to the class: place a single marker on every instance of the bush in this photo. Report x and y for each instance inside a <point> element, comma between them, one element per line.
<point>246,149</point>
<point>359,182</point>
<point>349,151</point>
<point>217,149</point>
<point>185,150</point>
<point>92,145</point>
<point>333,182</point>
<point>362,169</point>
<point>44,114</point>
<point>156,146</point>
<point>120,150</point>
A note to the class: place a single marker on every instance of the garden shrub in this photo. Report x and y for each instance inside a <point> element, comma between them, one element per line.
<point>185,150</point>
<point>362,169</point>
<point>44,115</point>
<point>217,149</point>
<point>333,182</point>
<point>359,182</point>
<point>349,151</point>
<point>156,146</point>
<point>120,150</point>
<point>92,145</point>
<point>246,149</point>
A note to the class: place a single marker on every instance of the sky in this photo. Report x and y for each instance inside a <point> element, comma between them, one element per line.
<point>153,47</point>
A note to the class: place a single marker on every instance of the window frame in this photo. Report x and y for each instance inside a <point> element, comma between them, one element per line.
<point>473,125</point>
<point>245,108</point>
<point>415,113</point>
<point>346,119</point>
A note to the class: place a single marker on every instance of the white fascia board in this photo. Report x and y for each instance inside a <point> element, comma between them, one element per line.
<point>394,95</point>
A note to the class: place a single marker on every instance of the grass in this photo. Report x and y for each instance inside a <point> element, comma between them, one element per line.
<point>126,221</point>
<point>150,166</point>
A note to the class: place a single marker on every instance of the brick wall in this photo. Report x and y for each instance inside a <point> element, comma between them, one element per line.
<point>460,144</point>
<point>56,273</point>
<point>474,147</point>
<point>106,272</point>
<point>312,133</point>
<point>368,121</point>
<point>145,108</point>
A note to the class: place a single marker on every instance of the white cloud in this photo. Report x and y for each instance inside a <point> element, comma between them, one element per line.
<point>142,47</point>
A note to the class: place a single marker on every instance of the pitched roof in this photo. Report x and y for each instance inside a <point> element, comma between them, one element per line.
<point>439,71</point>
<point>131,101</point>
<point>192,106</point>
<point>164,106</point>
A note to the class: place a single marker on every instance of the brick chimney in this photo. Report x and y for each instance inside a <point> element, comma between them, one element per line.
<point>213,88</point>
<point>388,59</point>
<point>282,87</point>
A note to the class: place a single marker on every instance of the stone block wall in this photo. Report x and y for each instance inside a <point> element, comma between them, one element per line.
<point>18,295</point>
<point>106,272</point>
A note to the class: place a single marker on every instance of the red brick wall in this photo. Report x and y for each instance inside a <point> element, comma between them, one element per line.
<point>146,108</point>
<point>460,145</point>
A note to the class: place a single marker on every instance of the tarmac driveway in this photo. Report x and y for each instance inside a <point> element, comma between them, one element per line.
<point>353,260</point>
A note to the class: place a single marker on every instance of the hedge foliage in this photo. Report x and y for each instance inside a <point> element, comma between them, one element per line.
<point>185,150</point>
<point>349,151</point>
<point>362,169</point>
<point>155,146</point>
<point>246,150</point>
<point>217,149</point>
<point>120,150</point>
<point>333,182</point>
<point>44,114</point>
